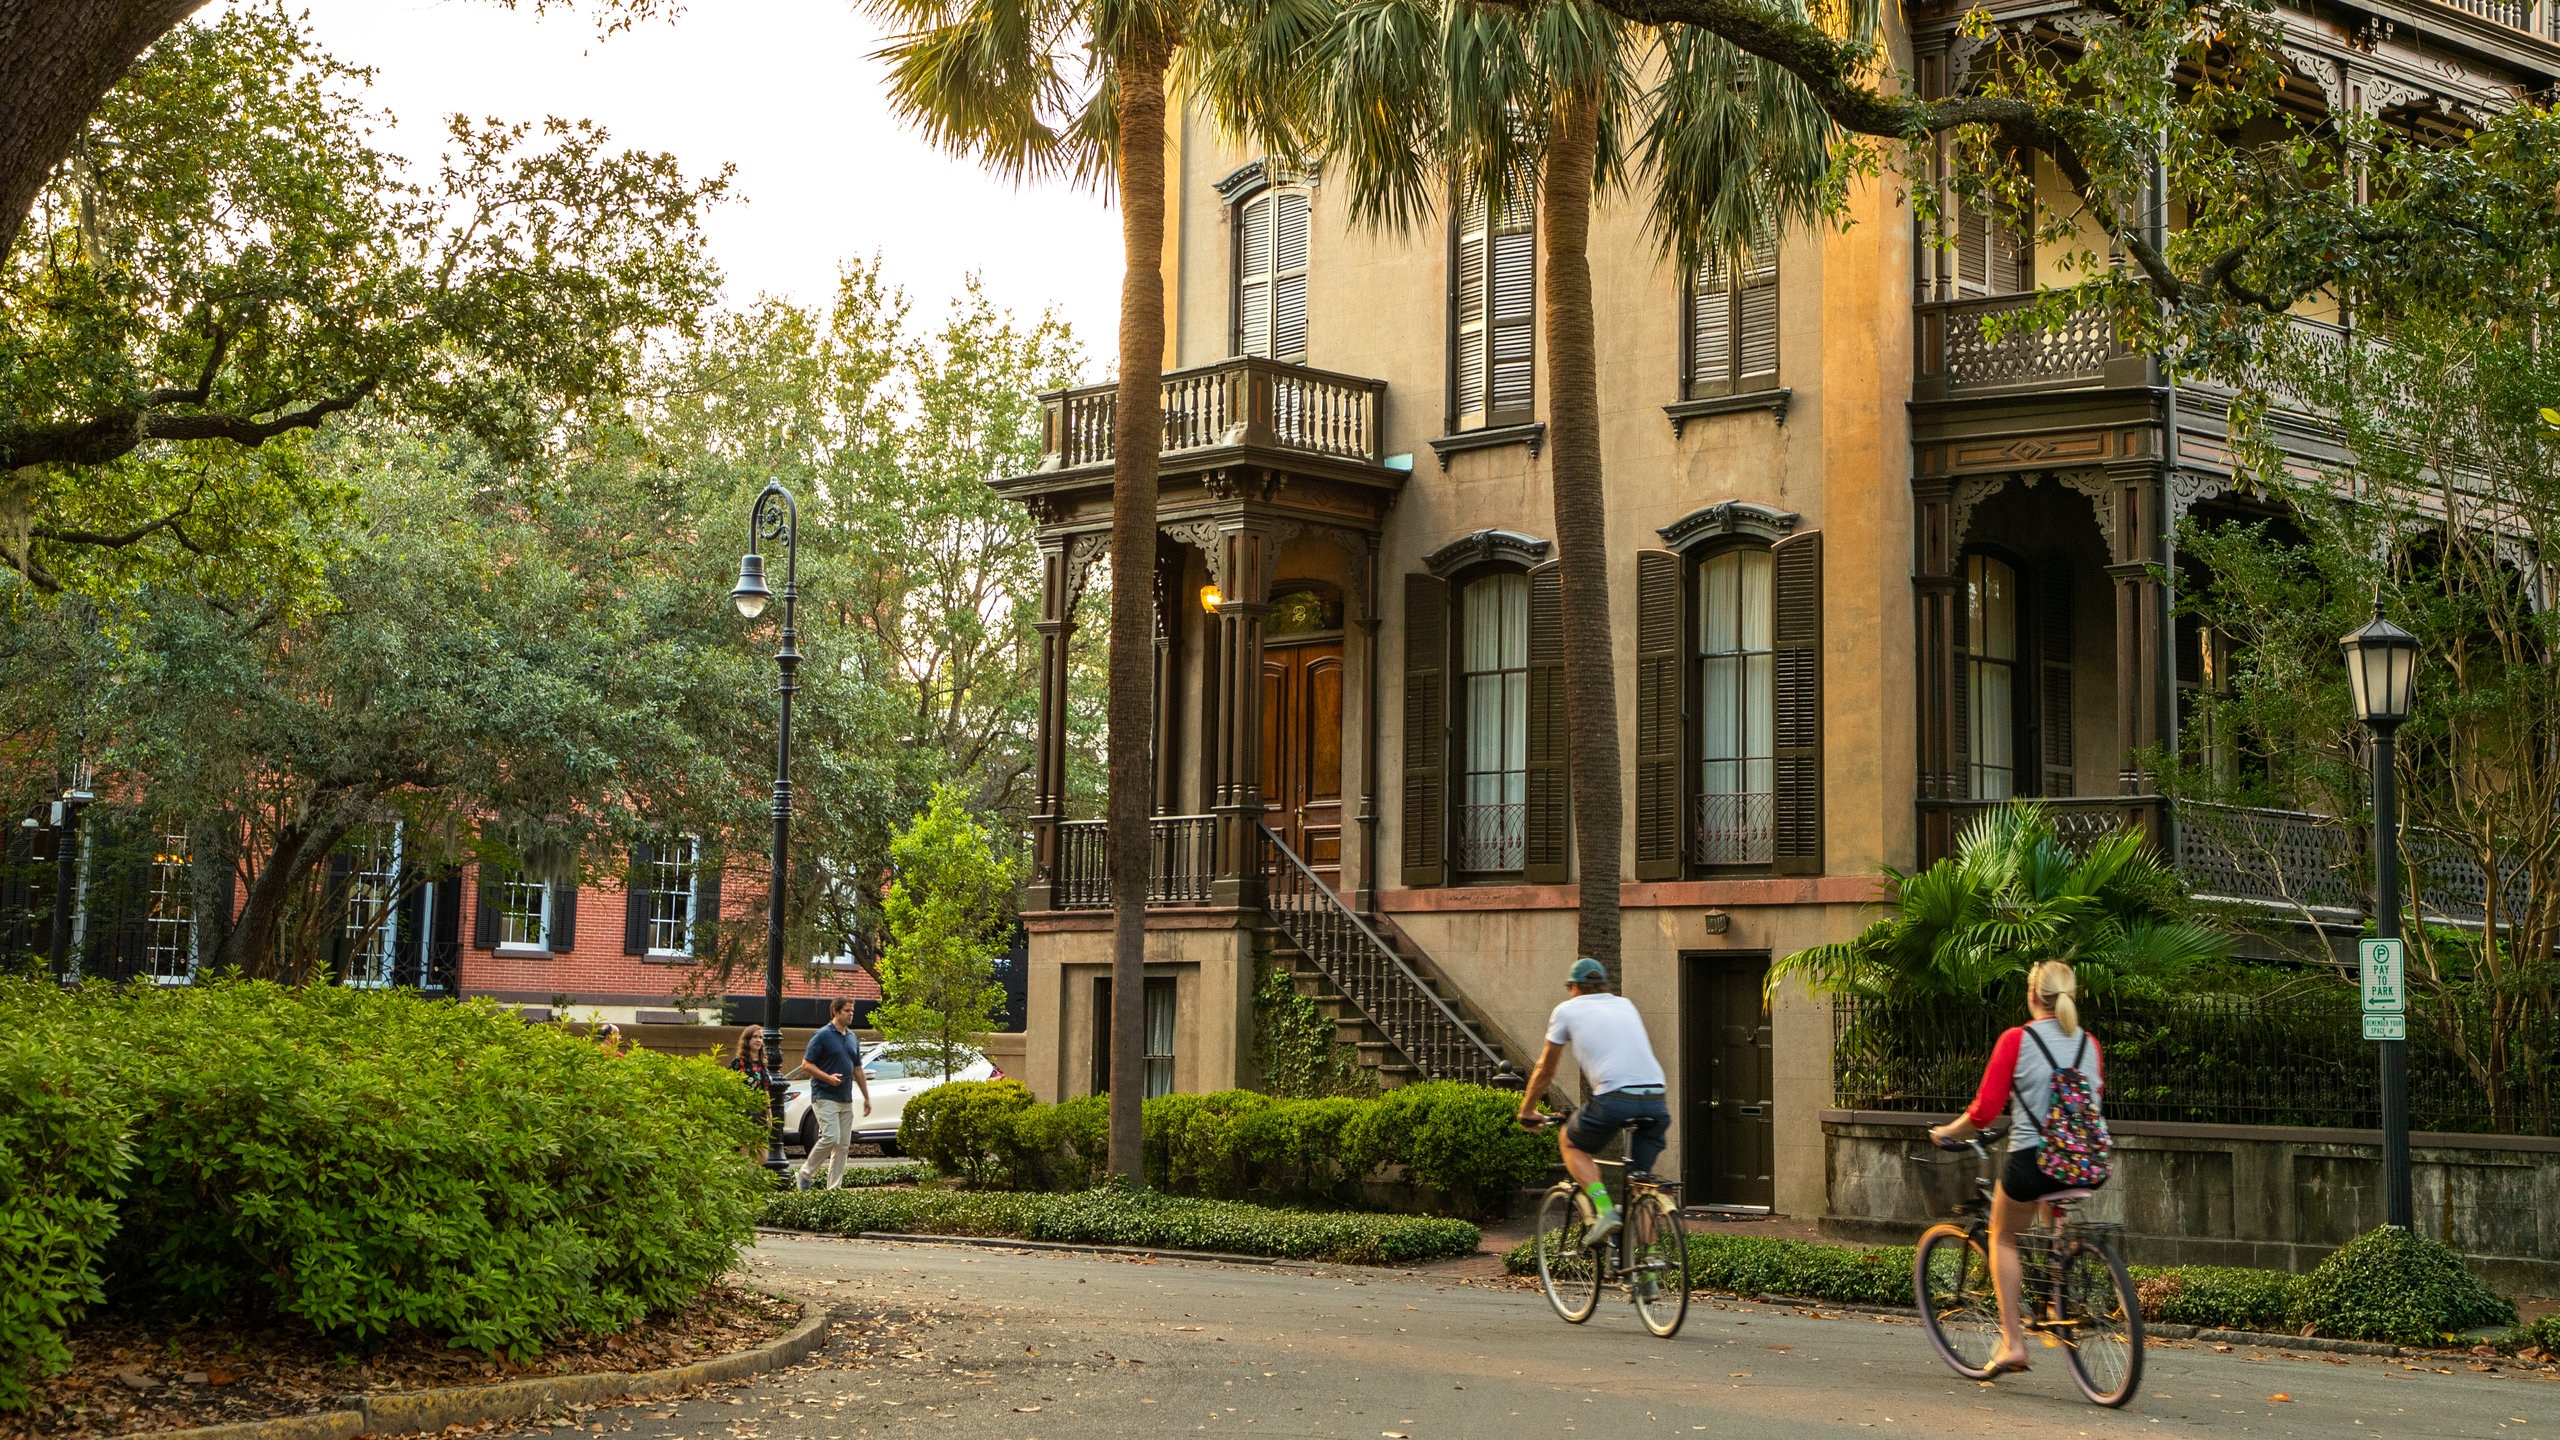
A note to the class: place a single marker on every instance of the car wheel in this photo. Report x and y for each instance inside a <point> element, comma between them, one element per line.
<point>889,1145</point>
<point>808,1132</point>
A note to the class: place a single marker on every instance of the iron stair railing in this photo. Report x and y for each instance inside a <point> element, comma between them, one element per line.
<point>1433,1038</point>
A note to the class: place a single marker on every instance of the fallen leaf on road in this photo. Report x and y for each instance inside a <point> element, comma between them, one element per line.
<point>2280,1396</point>
<point>1741,1375</point>
<point>1026,1409</point>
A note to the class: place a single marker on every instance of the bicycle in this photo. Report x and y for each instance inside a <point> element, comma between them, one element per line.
<point>1647,1259</point>
<point>2072,1287</point>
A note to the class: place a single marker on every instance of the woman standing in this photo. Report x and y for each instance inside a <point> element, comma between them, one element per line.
<point>746,1056</point>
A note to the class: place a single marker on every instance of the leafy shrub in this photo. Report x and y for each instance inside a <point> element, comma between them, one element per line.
<point>2217,1297</point>
<point>962,1128</point>
<point>1799,1269</point>
<point>1466,1140</point>
<point>1121,1217</point>
<point>365,1160</point>
<point>2388,1284</point>
<point>63,1155</point>
<point>1066,1146</point>
<point>2541,1334</point>
<point>864,1176</point>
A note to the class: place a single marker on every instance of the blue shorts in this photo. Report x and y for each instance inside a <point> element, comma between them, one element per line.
<point>1602,1116</point>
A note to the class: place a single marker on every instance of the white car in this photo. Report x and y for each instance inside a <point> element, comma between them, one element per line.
<point>893,1084</point>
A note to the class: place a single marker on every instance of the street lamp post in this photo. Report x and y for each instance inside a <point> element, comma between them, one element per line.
<point>66,872</point>
<point>2382,665</point>
<point>775,520</point>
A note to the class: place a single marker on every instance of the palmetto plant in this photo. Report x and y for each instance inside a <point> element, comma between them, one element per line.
<point>2014,894</point>
<point>1410,104</point>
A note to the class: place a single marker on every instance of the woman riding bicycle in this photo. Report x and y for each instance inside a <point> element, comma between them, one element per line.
<point>2020,1077</point>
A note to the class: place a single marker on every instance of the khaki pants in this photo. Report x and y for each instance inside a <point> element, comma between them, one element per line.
<point>835,1140</point>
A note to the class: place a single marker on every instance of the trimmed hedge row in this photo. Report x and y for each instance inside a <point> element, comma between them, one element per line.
<point>2386,1285</point>
<point>359,1161</point>
<point>1133,1218</point>
<point>1459,1142</point>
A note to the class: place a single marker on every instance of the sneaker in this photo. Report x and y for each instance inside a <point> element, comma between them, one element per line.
<point>1601,1229</point>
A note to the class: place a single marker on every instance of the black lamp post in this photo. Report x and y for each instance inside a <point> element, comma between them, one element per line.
<point>2382,666</point>
<point>775,520</point>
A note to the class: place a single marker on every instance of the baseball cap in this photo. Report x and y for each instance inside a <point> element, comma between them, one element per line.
<point>1587,971</point>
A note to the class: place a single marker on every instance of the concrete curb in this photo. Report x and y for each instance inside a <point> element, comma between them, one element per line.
<point>1000,1242</point>
<point>2278,1342</point>
<point>429,1410</point>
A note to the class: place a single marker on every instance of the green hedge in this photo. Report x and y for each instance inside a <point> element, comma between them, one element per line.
<point>1799,1269</point>
<point>1458,1141</point>
<point>2217,1297</point>
<point>363,1161</point>
<point>1121,1217</point>
<point>2391,1285</point>
<point>63,1156</point>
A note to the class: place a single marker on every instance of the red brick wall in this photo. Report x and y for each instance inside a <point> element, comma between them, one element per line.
<point>597,974</point>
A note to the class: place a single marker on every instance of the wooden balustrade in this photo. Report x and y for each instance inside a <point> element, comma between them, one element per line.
<point>1232,403</point>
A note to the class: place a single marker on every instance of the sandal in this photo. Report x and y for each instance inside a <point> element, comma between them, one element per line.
<point>2007,1367</point>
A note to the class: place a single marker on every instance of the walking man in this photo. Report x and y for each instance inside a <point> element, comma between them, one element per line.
<point>834,1065</point>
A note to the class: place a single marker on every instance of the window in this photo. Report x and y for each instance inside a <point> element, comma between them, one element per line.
<point>524,913</point>
<point>1493,688</point>
<point>1156,1069</point>
<point>1733,322</point>
<point>1991,677</point>
<point>1271,276</point>
<point>372,924</point>
<point>671,897</point>
<point>1737,662</point>
<point>1494,311</point>
<point>169,926</point>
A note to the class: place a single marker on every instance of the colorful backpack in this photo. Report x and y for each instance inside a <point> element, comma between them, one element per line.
<point>2075,1135</point>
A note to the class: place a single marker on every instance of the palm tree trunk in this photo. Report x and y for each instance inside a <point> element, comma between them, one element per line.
<point>1582,522</point>
<point>1137,433</point>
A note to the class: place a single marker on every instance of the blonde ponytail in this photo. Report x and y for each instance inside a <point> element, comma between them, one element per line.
<point>2053,983</point>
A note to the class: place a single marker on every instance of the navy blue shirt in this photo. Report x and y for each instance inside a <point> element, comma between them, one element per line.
<point>838,1053</point>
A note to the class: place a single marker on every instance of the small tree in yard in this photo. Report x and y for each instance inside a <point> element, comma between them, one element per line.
<point>947,910</point>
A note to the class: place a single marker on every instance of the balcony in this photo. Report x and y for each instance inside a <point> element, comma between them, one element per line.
<point>1242,403</point>
<point>1183,859</point>
<point>1957,359</point>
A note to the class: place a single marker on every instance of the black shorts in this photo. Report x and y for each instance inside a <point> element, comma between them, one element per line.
<point>2023,1179</point>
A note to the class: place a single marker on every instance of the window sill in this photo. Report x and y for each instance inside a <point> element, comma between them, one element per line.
<point>525,951</point>
<point>1773,401</point>
<point>666,957</point>
<point>1533,435</point>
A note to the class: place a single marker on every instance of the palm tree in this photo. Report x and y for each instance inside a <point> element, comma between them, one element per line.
<point>1407,101</point>
<point>2012,895</point>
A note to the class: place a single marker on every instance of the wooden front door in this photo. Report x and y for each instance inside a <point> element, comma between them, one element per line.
<point>1302,752</point>
<point>1728,1131</point>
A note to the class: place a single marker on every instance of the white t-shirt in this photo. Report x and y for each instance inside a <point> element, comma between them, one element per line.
<point>1608,1040</point>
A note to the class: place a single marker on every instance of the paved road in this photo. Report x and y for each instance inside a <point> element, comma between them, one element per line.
<point>1010,1345</point>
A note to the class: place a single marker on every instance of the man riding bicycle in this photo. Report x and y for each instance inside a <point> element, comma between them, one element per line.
<point>1615,1056</point>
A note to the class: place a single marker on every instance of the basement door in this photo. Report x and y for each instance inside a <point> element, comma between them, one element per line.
<point>1728,1132</point>
<point>1302,752</point>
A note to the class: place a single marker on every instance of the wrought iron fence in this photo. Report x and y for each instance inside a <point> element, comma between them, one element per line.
<point>2296,1060</point>
<point>1733,829</point>
<point>1182,861</point>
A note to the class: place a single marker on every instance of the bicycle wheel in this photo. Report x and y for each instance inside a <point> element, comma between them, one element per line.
<point>2101,1323</point>
<point>1658,1264</point>
<point>1951,1279</point>
<point>1570,1273</point>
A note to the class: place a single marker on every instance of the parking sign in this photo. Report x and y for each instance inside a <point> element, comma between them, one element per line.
<point>2384,970</point>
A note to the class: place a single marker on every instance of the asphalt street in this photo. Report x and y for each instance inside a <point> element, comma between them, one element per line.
<point>1011,1345</point>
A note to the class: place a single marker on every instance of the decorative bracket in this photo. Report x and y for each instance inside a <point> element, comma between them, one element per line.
<point>1730,517</point>
<point>1511,546</point>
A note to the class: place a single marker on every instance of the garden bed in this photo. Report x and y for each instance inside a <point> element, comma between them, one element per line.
<point>132,1376</point>
<point>1134,1219</point>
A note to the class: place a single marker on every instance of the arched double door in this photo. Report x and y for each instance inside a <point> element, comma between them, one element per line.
<point>1302,684</point>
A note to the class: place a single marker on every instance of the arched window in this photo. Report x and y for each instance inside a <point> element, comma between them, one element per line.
<point>1736,673</point>
<point>1493,722</point>
<point>1991,677</point>
<point>1271,275</point>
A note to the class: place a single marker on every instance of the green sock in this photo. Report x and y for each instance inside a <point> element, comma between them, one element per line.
<point>1599,1198</point>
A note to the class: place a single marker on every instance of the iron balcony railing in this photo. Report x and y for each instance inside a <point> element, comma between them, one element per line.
<point>1492,836</point>
<point>2077,819</point>
<point>1957,357</point>
<point>1238,402</point>
<point>1416,1020</point>
<point>1182,860</point>
<point>1733,829</point>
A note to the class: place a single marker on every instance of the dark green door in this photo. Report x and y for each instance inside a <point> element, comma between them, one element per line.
<point>1728,1131</point>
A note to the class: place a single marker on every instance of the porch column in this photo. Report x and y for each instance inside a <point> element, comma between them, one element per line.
<point>2144,686</point>
<point>1168,749</point>
<point>1240,566</point>
<point>1049,768</point>
<point>1938,597</point>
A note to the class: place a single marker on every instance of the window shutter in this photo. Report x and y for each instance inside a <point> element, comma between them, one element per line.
<point>1511,317</point>
<point>2053,678</point>
<point>1289,277</point>
<point>484,920</point>
<point>561,935</point>
<point>1797,639</point>
<point>333,901</point>
<point>1467,302</point>
<point>1991,257</point>
<point>444,960</point>
<point>1710,329</point>
<point>1756,320</point>
<point>706,904</point>
<point>1253,276</point>
<point>1658,721</point>
<point>1426,729</point>
<point>1548,825</point>
<point>409,959</point>
<point>635,908</point>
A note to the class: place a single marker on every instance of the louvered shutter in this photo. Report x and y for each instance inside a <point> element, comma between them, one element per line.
<point>409,962</point>
<point>335,948</point>
<point>1512,311</point>
<point>1426,729</point>
<point>1548,825</point>
<point>1990,254</point>
<point>1289,219</point>
<point>706,904</point>
<point>1797,639</point>
<point>1711,327</point>
<point>561,935</point>
<point>636,897</point>
<point>444,957</point>
<point>1467,302</point>
<point>2053,678</point>
<point>1658,719</point>
<point>484,919</point>
<point>1253,276</point>
<point>1755,319</point>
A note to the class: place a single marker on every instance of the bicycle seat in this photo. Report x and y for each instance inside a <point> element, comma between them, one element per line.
<point>2068,1197</point>
<point>1642,1177</point>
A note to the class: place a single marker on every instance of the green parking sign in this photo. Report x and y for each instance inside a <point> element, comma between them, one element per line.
<point>2385,1027</point>
<point>2385,973</point>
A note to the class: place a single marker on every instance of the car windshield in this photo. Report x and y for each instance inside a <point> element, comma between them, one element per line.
<point>885,1070</point>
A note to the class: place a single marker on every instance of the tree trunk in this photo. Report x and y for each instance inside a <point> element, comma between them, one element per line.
<point>57,59</point>
<point>1582,523</point>
<point>250,948</point>
<point>1137,435</point>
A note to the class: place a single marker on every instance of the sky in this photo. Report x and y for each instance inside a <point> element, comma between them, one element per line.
<point>786,91</point>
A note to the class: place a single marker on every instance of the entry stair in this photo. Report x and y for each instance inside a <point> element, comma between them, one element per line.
<point>1387,1000</point>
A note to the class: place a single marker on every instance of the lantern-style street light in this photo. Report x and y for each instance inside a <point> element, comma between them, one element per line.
<point>2382,668</point>
<point>775,520</point>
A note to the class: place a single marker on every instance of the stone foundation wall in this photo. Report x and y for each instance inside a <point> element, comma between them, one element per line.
<point>2266,1196</point>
